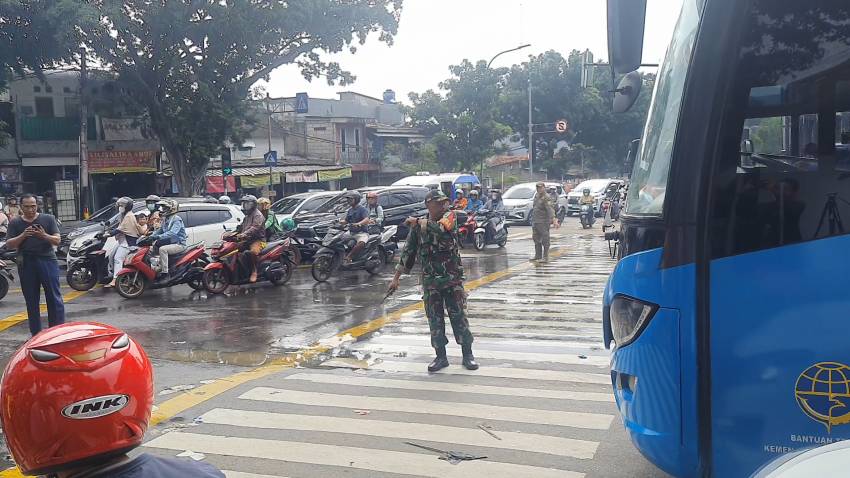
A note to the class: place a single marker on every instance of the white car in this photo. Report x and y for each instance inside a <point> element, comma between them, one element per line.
<point>204,222</point>
<point>597,190</point>
<point>519,199</point>
<point>303,202</point>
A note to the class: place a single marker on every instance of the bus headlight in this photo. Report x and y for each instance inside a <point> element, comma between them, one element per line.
<point>629,316</point>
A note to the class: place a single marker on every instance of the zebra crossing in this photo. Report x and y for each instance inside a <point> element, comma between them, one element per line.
<point>539,406</point>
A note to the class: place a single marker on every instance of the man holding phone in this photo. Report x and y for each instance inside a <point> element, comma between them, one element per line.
<point>35,237</point>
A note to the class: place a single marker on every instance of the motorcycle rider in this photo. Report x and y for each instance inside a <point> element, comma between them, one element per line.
<point>224,199</point>
<point>272,225</point>
<point>587,199</point>
<point>357,219</point>
<point>170,237</point>
<point>38,417</point>
<point>495,202</point>
<point>154,220</point>
<point>460,200</point>
<point>251,232</point>
<point>4,222</point>
<point>376,212</point>
<point>474,203</point>
<point>126,234</point>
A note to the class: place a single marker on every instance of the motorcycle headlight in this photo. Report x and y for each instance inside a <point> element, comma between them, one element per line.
<point>629,317</point>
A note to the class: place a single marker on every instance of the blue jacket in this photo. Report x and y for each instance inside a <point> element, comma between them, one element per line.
<point>474,205</point>
<point>172,230</point>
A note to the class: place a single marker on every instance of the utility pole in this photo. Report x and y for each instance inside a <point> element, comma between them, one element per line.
<point>530,129</point>
<point>269,111</point>
<point>84,137</point>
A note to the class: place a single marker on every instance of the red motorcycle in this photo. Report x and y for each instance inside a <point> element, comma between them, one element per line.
<point>275,263</point>
<point>467,224</point>
<point>138,275</point>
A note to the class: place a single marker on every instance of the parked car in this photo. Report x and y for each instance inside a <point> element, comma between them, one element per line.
<point>204,222</point>
<point>399,203</point>
<point>289,206</point>
<point>597,190</point>
<point>519,200</point>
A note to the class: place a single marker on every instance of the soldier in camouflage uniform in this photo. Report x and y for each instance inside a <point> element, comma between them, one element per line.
<point>435,241</point>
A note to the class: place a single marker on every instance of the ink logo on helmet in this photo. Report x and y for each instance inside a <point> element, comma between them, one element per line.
<point>95,407</point>
<point>823,393</point>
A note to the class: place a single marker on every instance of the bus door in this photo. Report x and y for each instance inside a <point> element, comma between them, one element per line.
<point>779,234</point>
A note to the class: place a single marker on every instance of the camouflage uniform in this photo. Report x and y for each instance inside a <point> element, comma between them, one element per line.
<point>442,277</point>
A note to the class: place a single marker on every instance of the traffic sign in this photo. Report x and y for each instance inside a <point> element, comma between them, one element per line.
<point>271,158</point>
<point>302,103</point>
<point>562,126</point>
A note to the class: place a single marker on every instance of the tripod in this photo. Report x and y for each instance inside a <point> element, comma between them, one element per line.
<point>832,214</point>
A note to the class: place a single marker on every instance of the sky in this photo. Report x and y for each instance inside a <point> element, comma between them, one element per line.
<point>434,34</point>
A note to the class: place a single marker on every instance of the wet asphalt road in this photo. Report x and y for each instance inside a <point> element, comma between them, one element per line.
<point>570,429</point>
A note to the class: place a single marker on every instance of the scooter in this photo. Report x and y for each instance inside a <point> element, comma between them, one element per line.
<point>467,225</point>
<point>586,216</point>
<point>492,230</point>
<point>389,241</point>
<point>138,274</point>
<point>91,264</point>
<point>336,245</point>
<point>275,263</point>
<point>7,260</point>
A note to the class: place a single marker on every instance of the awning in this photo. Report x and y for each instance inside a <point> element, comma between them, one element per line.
<point>51,161</point>
<point>259,180</point>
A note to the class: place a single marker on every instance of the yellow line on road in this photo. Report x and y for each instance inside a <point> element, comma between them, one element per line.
<point>16,319</point>
<point>181,403</point>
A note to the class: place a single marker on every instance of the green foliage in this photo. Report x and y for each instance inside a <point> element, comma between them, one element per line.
<point>767,136</point>
<point>193,64</point>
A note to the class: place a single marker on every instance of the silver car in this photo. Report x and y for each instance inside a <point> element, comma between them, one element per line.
<point>519,199</point>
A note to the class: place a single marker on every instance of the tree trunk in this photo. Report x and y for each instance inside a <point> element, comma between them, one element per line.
<point>188,174</point>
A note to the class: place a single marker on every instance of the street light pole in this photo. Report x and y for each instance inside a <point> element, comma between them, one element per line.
<point>530,130</point>
<point>497,55</point>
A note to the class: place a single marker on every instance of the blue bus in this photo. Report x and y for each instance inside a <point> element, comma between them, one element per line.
<point>729,309</point>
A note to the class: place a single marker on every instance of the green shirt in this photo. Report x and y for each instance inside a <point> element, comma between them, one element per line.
<point>437,248</point>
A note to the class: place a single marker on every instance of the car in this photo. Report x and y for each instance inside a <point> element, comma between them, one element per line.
<point>289,206</point>
<point>204,222</point>
<point>519,199</point>
<point>597,190</point>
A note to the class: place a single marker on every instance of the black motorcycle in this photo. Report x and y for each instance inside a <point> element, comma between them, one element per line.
<point>586,216</point>
<point>491,229</point>
<point>7,261</point>
<point>337,244</point>
<point>91,264</point>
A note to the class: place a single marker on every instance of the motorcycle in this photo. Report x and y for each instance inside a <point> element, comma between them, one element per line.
<point>467,224</point>
<point>275,263</point>
<point>7,260</point>
<point>91,264</point>
<point>586,216</point>
<point>138,274</point>
<point>337,244</point>
<point>492,230</point>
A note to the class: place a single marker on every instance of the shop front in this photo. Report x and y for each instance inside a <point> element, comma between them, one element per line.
<point>121,173</point>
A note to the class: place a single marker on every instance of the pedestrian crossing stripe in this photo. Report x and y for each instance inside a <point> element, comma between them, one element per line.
<point>515,373</point>
<point>593,421</point>
<point>544,346</point>
<point>530,442</point>
<point>239,474</point>
<point>383,461</point>
<point>448,387</point>
<point>597,361</point>
<point>519,333</point>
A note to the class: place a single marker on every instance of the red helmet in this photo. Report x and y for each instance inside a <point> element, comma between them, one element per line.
<point>72,393</point>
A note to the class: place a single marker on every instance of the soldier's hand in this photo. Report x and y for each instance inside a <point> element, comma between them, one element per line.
<point>411,221</point>
<point>393,285</point>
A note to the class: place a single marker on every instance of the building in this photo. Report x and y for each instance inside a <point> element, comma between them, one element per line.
<point>324,143</point>
<point>43,155</point>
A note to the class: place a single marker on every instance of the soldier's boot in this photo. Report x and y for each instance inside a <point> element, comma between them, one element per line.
<point>469,359</point>
<point>545,254</point>
<point>440,362</point>
<point>538,251</point>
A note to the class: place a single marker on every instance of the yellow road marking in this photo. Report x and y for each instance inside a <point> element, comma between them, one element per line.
<point>196,396</point>
<point>16,319</point>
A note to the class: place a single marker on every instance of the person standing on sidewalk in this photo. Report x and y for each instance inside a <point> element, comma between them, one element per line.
<point>34,236</point>
<point>435,240</point>
<point>542,217</point>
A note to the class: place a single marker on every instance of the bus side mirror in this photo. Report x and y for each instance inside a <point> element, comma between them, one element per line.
<point>626,20</point>
<point>627,92</point>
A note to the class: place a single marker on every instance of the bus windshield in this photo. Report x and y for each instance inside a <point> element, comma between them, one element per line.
<point>649,178</point>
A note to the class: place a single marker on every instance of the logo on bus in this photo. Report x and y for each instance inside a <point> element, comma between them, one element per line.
<point>823,393</point>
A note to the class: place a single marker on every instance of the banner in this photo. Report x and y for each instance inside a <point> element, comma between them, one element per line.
<point>125,129</point>
<point>103,162</point>
<point>335,174</point>
<point>302,177</point>
<point>215,185</point>
<point>259,180</point>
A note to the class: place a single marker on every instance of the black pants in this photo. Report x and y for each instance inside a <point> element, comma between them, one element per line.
<point>38,273</point>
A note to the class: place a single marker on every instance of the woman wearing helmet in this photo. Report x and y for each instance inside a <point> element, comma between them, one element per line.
<point>170,238</point>
<point>460,200</point>
<point>126,234</point>
<point>272,226</point>
<point>85,427</point>
<point>475,202</point>
<point>357,219</point>
<point>154,221</point>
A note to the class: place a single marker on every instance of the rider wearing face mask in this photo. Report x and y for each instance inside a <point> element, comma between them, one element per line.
<point>251,232</point>
<point>495,202</point>
<point>357,219</point>
<point>154,219</point>
<point>171,236</point>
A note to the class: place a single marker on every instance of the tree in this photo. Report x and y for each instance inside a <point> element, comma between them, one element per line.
<point>464,124</point>
<point>192,65</point>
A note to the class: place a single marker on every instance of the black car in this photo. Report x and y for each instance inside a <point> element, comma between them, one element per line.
<point>398,202</point>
